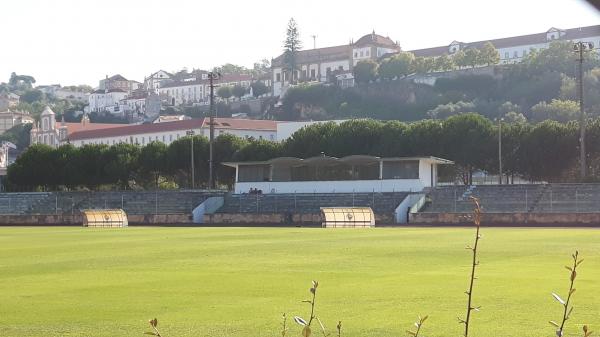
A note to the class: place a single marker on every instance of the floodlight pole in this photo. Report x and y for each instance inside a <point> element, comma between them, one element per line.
<point>212,76</point>
<point>579,48</point>
<point>191,134</point>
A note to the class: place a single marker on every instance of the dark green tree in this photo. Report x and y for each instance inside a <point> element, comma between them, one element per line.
<point>152,161</point>
<point>365,71</point>
<point>238,91</point>
<point>468,140</point>
<point>396,66</point>
<point>258,88</point>
<point>224,92</point>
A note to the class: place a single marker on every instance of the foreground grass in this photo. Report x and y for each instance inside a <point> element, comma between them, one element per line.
<point>238,281</point>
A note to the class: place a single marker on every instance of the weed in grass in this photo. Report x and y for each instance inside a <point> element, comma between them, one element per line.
<point>586,331</point>
<point>306,330</point>
<point>154,325</point>
<point>284,328</point>
<point>418,325</point>
<point>567,310</point>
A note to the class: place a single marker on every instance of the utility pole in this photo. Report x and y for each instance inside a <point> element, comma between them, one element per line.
<point>212,76</point>
<point>191,134</point>
<point>579,48</point>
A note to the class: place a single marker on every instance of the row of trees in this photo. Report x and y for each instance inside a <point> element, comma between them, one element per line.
<point>547,151</point>
<point>238,91</point>
<point>405,63</point>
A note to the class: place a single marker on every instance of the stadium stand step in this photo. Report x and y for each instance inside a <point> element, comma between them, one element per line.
<point>310,202</point>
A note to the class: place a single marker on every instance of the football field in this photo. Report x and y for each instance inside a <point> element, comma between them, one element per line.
<point>61,281</point>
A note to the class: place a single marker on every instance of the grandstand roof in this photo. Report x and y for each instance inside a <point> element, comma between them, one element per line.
<point>353,159</point>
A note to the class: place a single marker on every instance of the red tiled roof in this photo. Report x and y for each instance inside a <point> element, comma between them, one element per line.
<point>184,125</point>
<point>375,39</point>
<point>314,55</point>
<point>77,127</point>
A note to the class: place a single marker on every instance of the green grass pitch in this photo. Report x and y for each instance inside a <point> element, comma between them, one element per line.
<point>238,281</point>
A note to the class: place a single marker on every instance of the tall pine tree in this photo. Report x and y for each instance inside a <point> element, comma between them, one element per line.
<point>291,46</point>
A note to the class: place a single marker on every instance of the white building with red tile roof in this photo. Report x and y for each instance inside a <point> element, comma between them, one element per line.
<point>167,133</point>
<point>53,133</point>
<point>319,64</point>
<point>196,89</point>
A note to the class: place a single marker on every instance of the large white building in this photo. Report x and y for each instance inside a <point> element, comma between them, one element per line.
<point>152,82</point>
<point>318,64</point>
<point>513,49</point>
<point>168,132</point>
<point>196,89</point>
<point>106,100</point>
<point>321,63</point>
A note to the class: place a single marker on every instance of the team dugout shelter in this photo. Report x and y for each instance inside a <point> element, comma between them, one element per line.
<point>324,174</point>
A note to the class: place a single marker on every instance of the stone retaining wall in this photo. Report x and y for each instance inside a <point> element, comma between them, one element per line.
<point>77,219</point>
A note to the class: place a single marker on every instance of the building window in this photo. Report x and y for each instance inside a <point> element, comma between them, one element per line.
<point>278,77</point>
<point>355,54</point>
<point>515,54</point>
<point>163,137</point>
<point>170,138</point>
<point>506,55</point>
<point>367,53</point>
<point>340,68</point>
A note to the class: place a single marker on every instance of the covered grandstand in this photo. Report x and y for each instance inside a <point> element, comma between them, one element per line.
<point>324,174</point>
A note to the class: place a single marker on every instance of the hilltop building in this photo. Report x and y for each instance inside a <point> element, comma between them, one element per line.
<point>118,82</point>
<point>8,101</point>
<point>335,64</point>
<point>196,89</point>
<point>9,119</point>
<point>513,49</point>
<point>321,63</point>
<point>152,82</point>
<point>60,92</point>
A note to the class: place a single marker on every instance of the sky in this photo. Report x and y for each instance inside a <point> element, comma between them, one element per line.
<point>75,42</point>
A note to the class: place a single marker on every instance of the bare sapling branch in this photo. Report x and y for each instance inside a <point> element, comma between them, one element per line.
<point>475,263</point>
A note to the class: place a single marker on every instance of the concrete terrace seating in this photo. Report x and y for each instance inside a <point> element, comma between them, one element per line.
<point>493,198</point>
<point>309,202</point>
<point>133,202</point>
<point>540,198</point>
<point>570,198</point>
